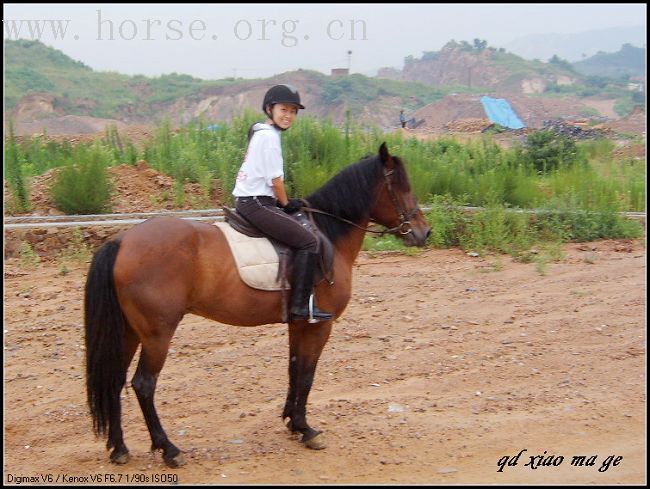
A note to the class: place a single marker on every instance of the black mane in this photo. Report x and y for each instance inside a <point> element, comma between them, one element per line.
<point>351,193</point>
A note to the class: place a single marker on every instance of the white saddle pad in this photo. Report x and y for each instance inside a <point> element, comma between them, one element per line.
<point>256,259</point>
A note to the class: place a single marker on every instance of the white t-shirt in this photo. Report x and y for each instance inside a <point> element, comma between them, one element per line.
<point>262,163</point>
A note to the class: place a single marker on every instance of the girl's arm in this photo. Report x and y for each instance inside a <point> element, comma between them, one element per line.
<point>280,192</point>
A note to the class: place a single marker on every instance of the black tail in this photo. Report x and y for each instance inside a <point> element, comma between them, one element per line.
<point>105,325</point>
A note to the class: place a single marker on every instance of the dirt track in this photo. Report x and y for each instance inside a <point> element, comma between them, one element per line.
<point>441,365</point>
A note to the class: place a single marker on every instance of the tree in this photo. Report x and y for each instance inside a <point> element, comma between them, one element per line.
<point>563,63</point>
<point>479,45</point>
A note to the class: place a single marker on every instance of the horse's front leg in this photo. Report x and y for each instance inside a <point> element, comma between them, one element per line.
<point>306,342</point>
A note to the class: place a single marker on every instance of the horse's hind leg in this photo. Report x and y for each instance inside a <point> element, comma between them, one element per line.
<point>120,454</point>
<point>152,359</point>
<point>306,342</point>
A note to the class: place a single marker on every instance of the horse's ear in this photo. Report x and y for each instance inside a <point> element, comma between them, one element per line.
<point>385,157</point>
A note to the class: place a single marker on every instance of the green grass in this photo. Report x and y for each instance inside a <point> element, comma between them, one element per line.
<point>15,174</point>
<point>28,257</point>
<point>578,198</point>
<point>77,252</point>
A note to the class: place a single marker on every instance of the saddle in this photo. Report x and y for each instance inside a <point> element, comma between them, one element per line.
<point>266,264</point>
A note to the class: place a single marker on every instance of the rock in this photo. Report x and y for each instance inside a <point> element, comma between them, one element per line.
<point>393,407</point>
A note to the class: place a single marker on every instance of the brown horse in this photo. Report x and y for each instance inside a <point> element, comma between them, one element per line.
<point>142,282</point>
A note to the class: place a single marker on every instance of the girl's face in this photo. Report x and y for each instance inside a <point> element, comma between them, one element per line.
<point>284,114</point>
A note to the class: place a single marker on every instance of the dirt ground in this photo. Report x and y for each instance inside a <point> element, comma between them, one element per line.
<point>441,365</point>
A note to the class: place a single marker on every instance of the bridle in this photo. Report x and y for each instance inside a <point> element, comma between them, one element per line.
<point>404,226</point>
<point>404,218</point>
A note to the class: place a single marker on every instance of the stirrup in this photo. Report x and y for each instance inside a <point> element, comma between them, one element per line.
<point>325,316</point>
<point>311,319</point>
<point>308,315</point>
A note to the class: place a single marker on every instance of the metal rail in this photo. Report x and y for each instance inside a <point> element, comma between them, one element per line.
<point>197,215</point>
<point>113,222</point>
<point>101,217</point>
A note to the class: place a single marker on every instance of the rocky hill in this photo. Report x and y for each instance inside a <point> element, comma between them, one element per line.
<point>477,65</point>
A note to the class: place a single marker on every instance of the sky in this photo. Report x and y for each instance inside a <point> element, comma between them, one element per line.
<point>260,40</point>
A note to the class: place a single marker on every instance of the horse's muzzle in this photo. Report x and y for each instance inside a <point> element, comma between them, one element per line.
<point>417,236</point>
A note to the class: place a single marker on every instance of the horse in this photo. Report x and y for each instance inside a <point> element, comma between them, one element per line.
<point>143,281</point>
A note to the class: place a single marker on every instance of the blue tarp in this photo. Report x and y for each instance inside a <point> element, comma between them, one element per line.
<point>499,111</point>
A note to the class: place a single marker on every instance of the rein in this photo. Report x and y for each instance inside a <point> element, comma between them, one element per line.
<point>404,226</point>
<point>368,230</point>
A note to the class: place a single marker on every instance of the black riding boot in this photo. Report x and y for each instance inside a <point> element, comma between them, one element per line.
<point>304,267</point>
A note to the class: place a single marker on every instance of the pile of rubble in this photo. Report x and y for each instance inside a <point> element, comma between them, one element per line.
<point>634,123</point>
<point>468,125</point>
<point>137,134</point>
<point>575,130</point>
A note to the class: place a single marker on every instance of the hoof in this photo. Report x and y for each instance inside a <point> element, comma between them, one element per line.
<point>175,462</point>
<point>316,443</point>
<point>120,458</point>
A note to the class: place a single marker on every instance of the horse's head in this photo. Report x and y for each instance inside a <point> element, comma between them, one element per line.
<point>396,206</point>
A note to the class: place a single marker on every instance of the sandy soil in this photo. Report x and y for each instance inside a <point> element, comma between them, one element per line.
<point>441,365</point>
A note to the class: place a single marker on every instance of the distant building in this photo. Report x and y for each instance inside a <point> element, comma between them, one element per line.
<point>340,72</point>
<point>635,87</point>
<point>636,83</point>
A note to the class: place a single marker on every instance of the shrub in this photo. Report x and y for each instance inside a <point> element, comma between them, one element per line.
<point>547,151</point>
<point>444,218</point>
<point>486,230</point>
<point>563,220</point>
<point>84,187</point>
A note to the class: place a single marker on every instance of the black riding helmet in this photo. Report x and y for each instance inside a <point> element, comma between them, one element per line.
<point>281,94</point>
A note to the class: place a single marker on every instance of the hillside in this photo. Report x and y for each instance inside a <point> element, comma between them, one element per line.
<point>42,82</point>
<point>32,67</point>
<point>629,61</point>
<point>46,91</point>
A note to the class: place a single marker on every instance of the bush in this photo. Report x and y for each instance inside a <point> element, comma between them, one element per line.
<point>486,230</point>
<point>84,187</point>
<point>444,218</point>
<point>547,151</point>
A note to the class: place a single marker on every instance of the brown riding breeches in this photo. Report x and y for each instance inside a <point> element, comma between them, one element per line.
<point>263,213</point>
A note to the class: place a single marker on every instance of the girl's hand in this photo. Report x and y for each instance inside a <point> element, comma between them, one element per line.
<point>294,205</point>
